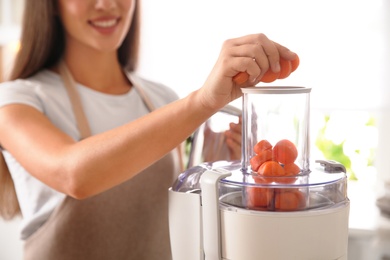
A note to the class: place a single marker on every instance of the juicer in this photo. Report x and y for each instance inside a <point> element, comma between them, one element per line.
<point>247,210</point>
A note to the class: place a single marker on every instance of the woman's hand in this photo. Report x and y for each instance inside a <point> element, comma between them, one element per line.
<point>253,54</point>
<point>233,138</point>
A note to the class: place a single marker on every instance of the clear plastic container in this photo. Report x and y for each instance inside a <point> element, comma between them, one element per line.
<point>276,114</point>
<point>276,147</point>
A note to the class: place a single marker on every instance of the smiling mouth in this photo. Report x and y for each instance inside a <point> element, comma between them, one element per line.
<point>105,24</point>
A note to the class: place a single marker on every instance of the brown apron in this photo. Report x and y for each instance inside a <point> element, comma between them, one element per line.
<point>129,221</point>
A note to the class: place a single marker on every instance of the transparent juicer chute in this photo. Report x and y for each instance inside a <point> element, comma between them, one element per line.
<point>274,114</point>
<point>279,116</point>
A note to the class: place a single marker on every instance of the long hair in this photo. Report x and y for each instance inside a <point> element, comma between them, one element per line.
<point>42,46</point>
<point>43,40</point>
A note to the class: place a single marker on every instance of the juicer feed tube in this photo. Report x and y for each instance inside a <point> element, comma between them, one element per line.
<point>274,114</point>
<point>276,147</point>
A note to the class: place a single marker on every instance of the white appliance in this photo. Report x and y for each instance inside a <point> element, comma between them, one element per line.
<point>227,210</point>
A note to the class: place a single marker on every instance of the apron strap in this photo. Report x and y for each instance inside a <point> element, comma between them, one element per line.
<point>145,98</point>
<point>81,120</point>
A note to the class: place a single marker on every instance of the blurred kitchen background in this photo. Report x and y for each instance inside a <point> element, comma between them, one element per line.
<point>344,51</point>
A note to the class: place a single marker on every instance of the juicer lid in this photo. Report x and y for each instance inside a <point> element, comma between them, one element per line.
<point>236,189</point>
<point>324,173</point>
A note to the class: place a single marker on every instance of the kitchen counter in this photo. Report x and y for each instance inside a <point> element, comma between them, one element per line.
<point>369,230</point>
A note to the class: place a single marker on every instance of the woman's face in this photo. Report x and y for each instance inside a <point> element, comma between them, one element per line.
<point>98,24</point>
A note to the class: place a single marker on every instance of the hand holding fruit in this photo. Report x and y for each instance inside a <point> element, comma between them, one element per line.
<point>286,68</point>
<point>253,55</point>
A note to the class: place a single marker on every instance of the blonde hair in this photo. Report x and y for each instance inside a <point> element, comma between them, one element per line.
<point>42,46</point>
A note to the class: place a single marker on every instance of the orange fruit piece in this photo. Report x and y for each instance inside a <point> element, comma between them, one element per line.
<point>258,179</point>
<point>261,146</point>
<point>257,160</point>
<point>258,197</point>
<point>285,180</point>
<point>294,64</point>
<point>241,78</point>
<point>271,168</point>
<point>285,68</point>
<point>270,76</point>
<point>289,199</point>
<point>285,152</point>
<point>265,179</point>
<point>291,169</point>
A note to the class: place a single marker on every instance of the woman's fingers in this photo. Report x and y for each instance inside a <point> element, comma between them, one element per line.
<point>285,53</point>
<point>262,51</point>
<point>249,56</point>
<point>251,67</point>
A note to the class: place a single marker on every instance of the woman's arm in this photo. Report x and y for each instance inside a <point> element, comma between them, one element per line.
<point>81,169</point>
<point>95,164</point>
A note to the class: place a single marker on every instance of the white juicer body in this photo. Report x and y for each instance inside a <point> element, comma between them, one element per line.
<point>238,210</point>
<point>204,227</point>
<point>306,235</point>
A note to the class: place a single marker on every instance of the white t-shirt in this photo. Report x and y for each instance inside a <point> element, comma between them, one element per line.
<point>46,92</point>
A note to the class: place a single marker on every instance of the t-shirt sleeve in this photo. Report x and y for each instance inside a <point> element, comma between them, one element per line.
<point>19,92</point>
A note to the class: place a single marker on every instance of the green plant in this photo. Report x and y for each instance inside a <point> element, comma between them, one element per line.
<point>350,141</point>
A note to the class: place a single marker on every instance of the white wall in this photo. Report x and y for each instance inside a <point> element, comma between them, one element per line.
<point>339,43</point>
<point>383,149</point>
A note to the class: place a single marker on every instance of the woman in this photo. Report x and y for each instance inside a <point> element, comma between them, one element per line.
<point>90,162</point>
